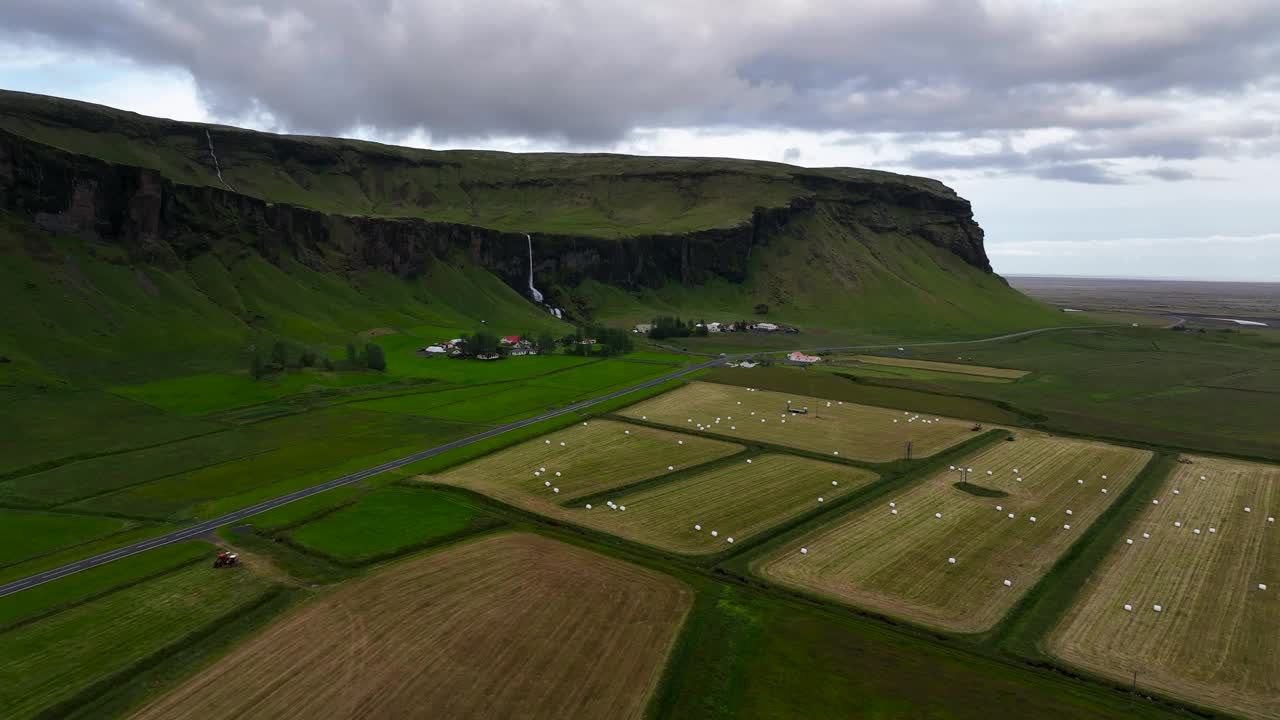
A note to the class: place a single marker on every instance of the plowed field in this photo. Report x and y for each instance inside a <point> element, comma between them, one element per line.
<point>510,626</point>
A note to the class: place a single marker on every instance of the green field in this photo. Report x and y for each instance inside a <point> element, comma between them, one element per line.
<point>51,661</point>
<point>384,522</point>
<point>735,501</point>
<point>27,534</point>
<point>203,394</point>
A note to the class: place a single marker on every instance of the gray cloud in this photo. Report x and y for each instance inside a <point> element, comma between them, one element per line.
<point>791,155</point>
<point>1116,74</point>
<point>1081,173</point>
<point>1169,174</point>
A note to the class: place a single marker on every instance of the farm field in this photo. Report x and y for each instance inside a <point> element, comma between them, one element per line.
<point>50,661</point>
<point>384,521</point>
<point>295,447</point>
<point>895,559</point>
<point>203,394</point>
<point>736,501</point>
<point>27,534</point>
<point>946,367</point>
<point>596,457</point>
<point>506,626</point>
<point>1217,639</point>
<point>853,431</point>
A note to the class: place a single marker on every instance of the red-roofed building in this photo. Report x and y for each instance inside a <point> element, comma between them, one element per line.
<point>510,339</point>
<point>800,357</point>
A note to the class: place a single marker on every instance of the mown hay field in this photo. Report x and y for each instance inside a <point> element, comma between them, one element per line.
<point>899,563</point>
<point>514,625</point>
<point>1216,640</point>
<point>595,457</point>
<point>958,368</point>
<point>854,431</point>
<point>736,501</point>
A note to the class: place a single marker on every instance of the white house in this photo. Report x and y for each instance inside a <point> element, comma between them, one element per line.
<point>713,327</point>
<point>765,326</point>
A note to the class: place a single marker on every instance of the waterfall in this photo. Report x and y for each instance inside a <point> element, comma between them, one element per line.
<point>533,291</point>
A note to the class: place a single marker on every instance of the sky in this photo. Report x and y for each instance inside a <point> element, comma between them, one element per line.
<point>1094,137</point>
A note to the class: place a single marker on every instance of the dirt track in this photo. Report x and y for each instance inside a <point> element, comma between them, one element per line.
<point>510,626</point>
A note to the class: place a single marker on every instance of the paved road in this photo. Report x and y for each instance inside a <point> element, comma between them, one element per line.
<point>207,526</point>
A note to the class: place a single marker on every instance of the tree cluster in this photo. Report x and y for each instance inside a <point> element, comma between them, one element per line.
<point>608,341</point>
<point>668,326</point>
<point>282,356</point>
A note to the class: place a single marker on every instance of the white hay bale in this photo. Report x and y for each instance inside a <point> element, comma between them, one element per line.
<point>896,420</point>
<point>557,473</point>
<point>1070,513</point>
<point>697,527</point>
<point>1157,608</point>
<point>622,508</point>
<point>729,540</point>
<point>626,432</point>
<point>714,533</point>
<point>555,490</point>
<point>1000,507</point>
<point>820,500</point>
<point>1033,518</point>
<point>893,512</point>
<point>1015,471</point>
<point>1213,530</point>
<point>953,467</point>
<point>988,472</point>
<point>1177,523</point>
<point>561,443</point>
<point>1146,536</point>
<point>1079,482</point>
<point>733,427</point>
<point>689,420</point>
<point>748,461</point>
<point>1196,531</point>
<point>1010,516</point>
<point>1248,509</point>
<point>804,551</point>
<point>644,417</point>
<point>840,402</point>
<point>1128,607</point>
<point>1019,479</point>
<point>542,469</point>
<point>537,474</point>
<point>1155,502</point>
<point>547,442</point>
<point>938,515</point>
<point>1104,491</point>
<point>835,452</point>
<point>546,483</point>
<point>1008,583</point>
<point>1202,477</point>
<point>1066,526</point>
<point>671,467</point>
<point>893,504</point>
<point>1271,519</point>
<point>951,560</point>
<point>1262,586</point>
<point>584,424</point>
<point>588,506</point>
<point>679,442</point>
<point>1104,477</point>
<point>1177,492</point>
<point>1128,541</point>
<point>834,483</point>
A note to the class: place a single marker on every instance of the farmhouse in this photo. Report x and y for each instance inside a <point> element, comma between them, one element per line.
<point>509,339</point>
<point>765,327</point>
<point>800,357</point>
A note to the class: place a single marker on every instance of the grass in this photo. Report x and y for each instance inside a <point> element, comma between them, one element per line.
<point>738,501</point>
<point>27,534</point>
<point>1215,642</point>
<point>299,511</point>
<point>50,661</point>
<point>314,443</point>
<point>894,559</point>
<point>208,393</point>
<point>595,457</point>
<point>386,521</point>
<point>514,624</point>
<point>93,582</point>
<point>851,431</point>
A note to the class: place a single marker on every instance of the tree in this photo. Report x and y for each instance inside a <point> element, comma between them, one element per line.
<point>328,364</point>
<point>352,358</point>
<point>546,342</point>
<point>308,358</point>
<point>374,358</point>
<point>762,309</point>
<point>280,354</point>
<point>257,368</point>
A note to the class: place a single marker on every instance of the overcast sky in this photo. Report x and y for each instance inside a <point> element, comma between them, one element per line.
<point>1098,137</point>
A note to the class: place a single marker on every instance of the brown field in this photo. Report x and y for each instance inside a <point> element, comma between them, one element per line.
<point>960,368</point>
<point>515,625</point>
<point>1217,640</point>
<point>596,457</point>
<point>737,501</point>
<point>854,431</point>
<point>898,563</point>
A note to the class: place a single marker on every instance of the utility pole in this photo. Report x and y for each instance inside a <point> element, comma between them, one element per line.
<point>908,449</point>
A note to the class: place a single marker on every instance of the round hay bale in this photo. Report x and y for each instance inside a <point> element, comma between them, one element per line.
<point>714,533</point>
<point>951,560</point>
<point>804,551</point>
<point>819,499</point>
<point>1008,583</point>
<point>937,515</point>
<point>697,527</point>
<point>1128,607</point>
<point>1128,541</point>
<point>1157,608</point>
<point>588,506</point>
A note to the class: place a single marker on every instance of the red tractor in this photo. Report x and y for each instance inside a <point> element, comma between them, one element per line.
<point>226,559</point>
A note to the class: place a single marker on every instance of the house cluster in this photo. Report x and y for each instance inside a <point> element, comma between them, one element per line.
<point>517,345</point>
<point>799,357</point>
<point>742,326</point>
<point>452,348</point>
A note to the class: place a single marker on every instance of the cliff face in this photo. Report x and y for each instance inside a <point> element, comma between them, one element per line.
<point>163,222</point>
